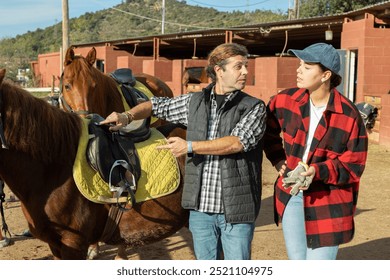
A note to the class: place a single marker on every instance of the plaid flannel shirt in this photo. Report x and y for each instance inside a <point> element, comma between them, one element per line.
<point>338,153</point>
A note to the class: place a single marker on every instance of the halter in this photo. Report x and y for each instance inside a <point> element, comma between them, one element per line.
<point>66,105</point>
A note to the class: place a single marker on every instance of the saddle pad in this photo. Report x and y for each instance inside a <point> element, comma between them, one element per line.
<point>141,87</point>
<point>159,170</point>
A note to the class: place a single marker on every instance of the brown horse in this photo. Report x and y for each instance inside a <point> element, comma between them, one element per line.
<point>37,164</point>
<point>85,89</point>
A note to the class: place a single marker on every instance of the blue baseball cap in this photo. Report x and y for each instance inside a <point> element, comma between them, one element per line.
<point>320,53</point>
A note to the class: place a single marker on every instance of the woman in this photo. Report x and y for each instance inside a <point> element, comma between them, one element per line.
<point>320,157</point>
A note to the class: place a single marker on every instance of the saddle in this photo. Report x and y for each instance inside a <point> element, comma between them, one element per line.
<point>114,156</point>
<point>127,82</point>
<point>124,77</point>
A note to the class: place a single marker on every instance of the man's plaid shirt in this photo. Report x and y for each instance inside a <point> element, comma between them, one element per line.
<point>249,130</point>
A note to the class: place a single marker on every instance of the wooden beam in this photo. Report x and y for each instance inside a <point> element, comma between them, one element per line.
<point>156,48</point>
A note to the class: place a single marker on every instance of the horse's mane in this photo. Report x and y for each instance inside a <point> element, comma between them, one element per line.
<point>35,127</point>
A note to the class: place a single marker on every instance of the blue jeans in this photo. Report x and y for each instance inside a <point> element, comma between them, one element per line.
<point>294,232</point>
<point>212,235</point>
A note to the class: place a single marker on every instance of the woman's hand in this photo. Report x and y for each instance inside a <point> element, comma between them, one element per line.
<point>309,175</point>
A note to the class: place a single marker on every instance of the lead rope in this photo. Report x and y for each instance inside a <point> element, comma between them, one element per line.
<point>4,227</point>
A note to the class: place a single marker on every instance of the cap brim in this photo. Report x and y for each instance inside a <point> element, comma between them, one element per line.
<point>305,56</point>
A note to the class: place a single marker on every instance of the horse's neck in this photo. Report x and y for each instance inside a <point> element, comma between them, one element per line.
<point>108,98</point>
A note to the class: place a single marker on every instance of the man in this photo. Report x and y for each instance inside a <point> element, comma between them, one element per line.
<point>225,126</point>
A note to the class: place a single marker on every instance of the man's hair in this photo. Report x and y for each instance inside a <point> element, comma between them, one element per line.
<point>220,54</point>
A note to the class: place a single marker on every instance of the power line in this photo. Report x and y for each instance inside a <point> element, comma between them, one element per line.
<point>156,20</point>
<point>228,7</point>
<point>174,23</point>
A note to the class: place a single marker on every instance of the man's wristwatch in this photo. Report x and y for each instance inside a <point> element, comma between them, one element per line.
<point>190,153</point>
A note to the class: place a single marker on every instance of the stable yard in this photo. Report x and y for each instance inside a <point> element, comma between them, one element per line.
<point>371,242</point>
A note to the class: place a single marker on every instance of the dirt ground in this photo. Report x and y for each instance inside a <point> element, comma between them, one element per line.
<point>371,242</point>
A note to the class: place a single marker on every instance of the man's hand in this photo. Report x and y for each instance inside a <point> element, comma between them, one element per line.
<point>116,121</point>
<point>176,145</point>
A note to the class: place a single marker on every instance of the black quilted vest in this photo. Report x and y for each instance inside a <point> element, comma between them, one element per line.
<point>240,172</point>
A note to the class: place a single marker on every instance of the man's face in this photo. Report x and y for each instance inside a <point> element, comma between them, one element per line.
<point>233,76</point>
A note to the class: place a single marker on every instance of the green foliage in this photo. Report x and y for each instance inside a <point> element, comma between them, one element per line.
<point>312,8</point>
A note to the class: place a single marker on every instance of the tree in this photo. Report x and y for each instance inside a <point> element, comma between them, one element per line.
<point>312,8</point>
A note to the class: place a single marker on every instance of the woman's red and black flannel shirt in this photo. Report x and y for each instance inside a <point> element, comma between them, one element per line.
<point>338,153</point>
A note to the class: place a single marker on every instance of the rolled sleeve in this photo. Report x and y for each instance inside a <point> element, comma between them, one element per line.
<point>251,128</point>
<point>174,110</point>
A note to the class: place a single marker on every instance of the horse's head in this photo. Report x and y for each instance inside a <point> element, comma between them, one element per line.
<point>83,87</point>
<point>76,81</point>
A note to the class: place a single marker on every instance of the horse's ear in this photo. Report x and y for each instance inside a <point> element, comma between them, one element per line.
<point>2,75</point>
<point>91,56</point>
<point>69,56</point>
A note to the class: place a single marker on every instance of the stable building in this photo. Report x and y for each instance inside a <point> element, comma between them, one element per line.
<point>362,38</point>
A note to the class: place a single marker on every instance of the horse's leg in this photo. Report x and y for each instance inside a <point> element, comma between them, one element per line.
<point>121,254</point>
<point>71,247</point>
<point>55,251</point>
<point>74,252</point>
<point>93,251</point>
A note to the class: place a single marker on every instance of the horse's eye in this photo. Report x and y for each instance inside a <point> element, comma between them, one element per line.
<point>67,87</point>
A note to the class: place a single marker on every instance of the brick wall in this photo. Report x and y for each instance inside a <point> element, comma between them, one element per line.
<point>373,73</point>
<point>48,65</point>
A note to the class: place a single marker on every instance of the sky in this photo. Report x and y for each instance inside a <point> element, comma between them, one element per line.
<point>20,16</point>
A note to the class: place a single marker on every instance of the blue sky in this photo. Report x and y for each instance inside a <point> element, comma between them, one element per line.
<point>20,16</point>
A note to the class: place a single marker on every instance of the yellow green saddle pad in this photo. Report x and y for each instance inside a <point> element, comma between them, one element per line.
<point>159,170</point>
<point>141,87</point>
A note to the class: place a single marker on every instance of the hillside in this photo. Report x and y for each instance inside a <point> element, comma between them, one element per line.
<point>132,19</point>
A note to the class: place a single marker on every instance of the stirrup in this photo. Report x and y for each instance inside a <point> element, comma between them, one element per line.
<point>124,185</point>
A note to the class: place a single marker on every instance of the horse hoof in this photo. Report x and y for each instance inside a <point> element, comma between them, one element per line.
<point>5,242</point>
<point>93,252</point>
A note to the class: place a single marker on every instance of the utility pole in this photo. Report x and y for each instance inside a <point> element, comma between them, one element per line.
<point>296,9</point>
<point>65,30</point>
<point>163,17</point>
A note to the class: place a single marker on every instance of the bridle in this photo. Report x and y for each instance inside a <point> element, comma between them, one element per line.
<point>65,105</point>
